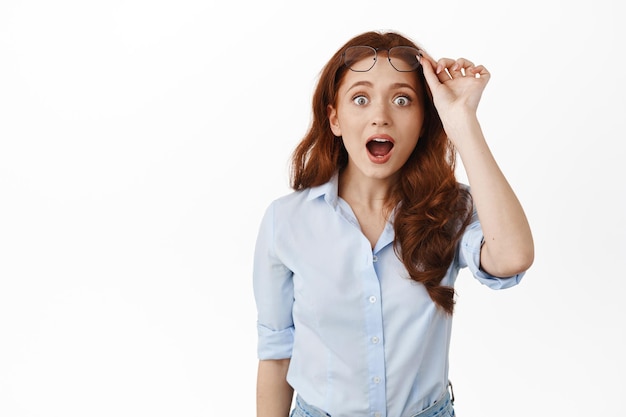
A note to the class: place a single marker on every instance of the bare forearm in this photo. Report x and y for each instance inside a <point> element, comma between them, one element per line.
<point>508,247</point>
<point>274,394</point>
<point>457,87</point>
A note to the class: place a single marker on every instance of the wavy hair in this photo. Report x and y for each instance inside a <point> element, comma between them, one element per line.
<point>431,208</point>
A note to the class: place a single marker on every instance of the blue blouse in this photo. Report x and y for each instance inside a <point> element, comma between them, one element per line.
<point>363,338</point>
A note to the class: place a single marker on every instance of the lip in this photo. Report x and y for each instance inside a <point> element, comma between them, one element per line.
<point>380,159</point>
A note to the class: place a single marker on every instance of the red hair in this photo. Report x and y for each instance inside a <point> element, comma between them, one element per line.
<point>431,208</point>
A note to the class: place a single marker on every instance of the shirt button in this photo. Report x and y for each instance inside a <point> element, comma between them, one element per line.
<point>372,299</point>
<point>375,258</point>
<point>377,414</point>
<point>375,339</point>
<point>376,380</point>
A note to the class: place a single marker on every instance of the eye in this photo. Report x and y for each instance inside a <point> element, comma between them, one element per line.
<point>402,100</point>
<point>360,100</point>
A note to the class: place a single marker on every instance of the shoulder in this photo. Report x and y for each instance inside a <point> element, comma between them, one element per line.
<point>284,207</point>
<point>290,200</point>
<point>301,204</point>
<point>300,198</point>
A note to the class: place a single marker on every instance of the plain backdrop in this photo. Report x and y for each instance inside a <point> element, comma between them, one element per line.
<point>140,142</point>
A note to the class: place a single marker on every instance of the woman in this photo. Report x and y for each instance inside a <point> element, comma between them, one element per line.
<point>354,270</point>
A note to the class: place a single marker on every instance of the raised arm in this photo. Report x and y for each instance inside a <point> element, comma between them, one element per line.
<point>457,86</point>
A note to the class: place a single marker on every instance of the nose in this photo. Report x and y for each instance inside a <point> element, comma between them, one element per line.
<point>380,115</point>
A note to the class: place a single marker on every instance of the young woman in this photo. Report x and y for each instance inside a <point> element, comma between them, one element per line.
<point>354,270</point>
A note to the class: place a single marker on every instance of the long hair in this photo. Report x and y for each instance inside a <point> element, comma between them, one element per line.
<point>431,208</point>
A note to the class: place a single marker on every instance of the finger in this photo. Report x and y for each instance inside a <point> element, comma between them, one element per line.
<point>465,64</point>
<point>443,69</point>
<point>479,71</point>
<point>429,59</point>
<point>429,65</point>
<point>460,67</point>
<point>444,63</point>
<point>440,67</point>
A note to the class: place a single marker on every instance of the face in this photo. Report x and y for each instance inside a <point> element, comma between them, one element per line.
<point>379,114</point>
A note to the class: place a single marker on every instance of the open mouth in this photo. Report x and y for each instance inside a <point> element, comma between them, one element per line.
<point>379,147</point>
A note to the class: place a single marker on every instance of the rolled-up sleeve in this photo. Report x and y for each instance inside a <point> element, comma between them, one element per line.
<point>273,292</point>
<point>469,256</point>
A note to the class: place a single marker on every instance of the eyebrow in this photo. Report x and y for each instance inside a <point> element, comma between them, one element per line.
<point>393,86</point>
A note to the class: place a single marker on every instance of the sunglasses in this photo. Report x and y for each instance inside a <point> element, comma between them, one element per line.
<point>363,58</point>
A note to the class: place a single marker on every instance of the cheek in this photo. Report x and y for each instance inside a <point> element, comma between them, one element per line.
<point>351,121</point>
<point>418,123</point>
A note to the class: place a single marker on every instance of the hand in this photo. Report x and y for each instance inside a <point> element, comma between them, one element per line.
<point>456,85</point>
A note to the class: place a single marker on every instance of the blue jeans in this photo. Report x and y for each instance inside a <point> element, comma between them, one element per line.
<point>441,408</point>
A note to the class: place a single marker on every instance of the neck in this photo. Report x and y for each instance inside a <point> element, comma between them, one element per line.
<point>366,192</point>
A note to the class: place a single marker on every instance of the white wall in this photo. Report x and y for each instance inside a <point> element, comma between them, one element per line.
<point>140,142</point>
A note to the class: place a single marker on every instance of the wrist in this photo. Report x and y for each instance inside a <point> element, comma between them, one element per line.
<point>462,127</point>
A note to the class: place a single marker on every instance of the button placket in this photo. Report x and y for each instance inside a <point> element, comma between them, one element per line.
<point>374,319</point>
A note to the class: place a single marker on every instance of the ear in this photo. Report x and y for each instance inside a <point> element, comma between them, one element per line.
<point>333,120</point>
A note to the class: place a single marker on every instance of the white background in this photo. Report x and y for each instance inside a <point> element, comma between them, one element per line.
<point>140,142</point>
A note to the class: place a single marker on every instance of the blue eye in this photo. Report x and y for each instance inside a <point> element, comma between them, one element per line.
<point>402,101</point>
<point>360,100</point>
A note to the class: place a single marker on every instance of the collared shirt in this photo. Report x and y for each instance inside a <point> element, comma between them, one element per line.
<point>364,339</point>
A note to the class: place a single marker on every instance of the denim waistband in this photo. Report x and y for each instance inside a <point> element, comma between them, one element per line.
<point>440,408</point>
<point>304,409</point>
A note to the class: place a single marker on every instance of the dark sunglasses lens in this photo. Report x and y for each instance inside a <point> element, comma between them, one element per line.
<point>404,58</point>
<point>359,58</point>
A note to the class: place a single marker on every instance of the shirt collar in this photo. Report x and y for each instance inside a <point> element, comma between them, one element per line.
<point>329,190</point>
